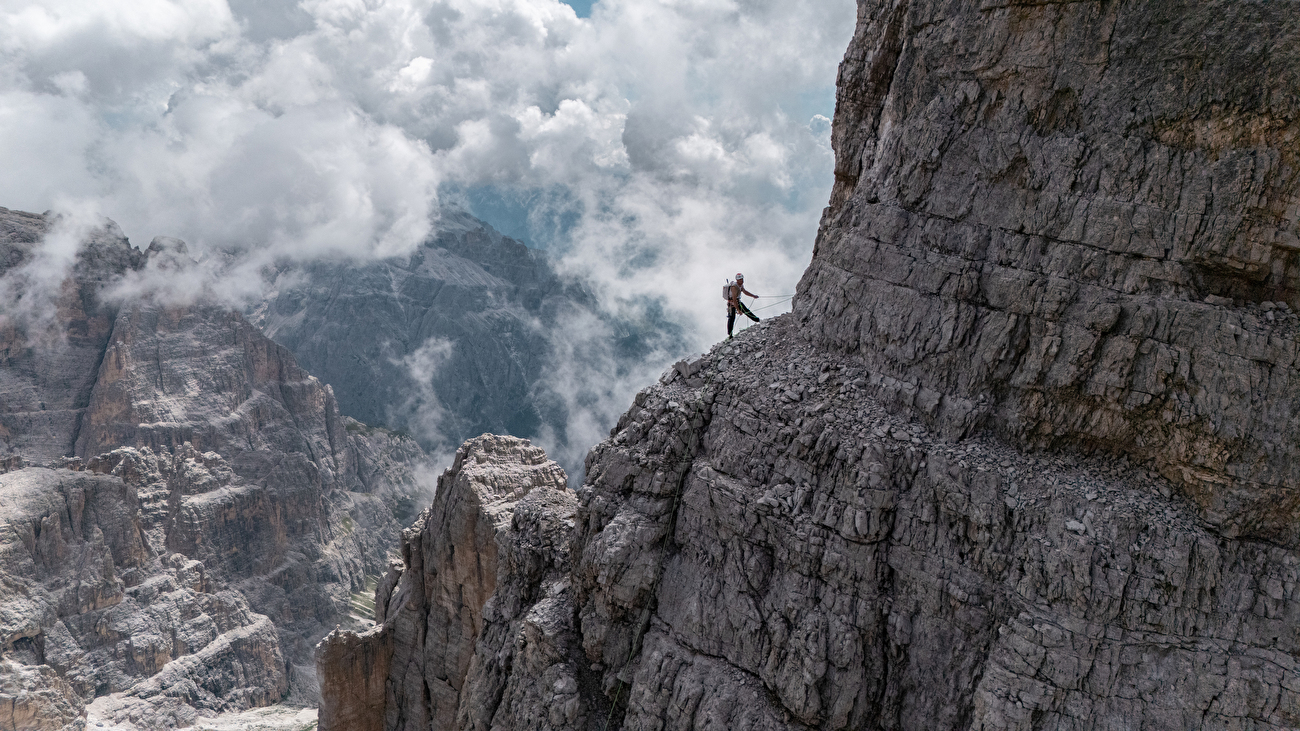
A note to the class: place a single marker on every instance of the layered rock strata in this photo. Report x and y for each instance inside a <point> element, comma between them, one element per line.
<point>1078,223</point>
<point>813,562</point>
<point>36,697</point>
<point>95,604</point>
<point>1019,459</point>
<point>195,473</point>
<point>267,466</point>
<point>53,329</point>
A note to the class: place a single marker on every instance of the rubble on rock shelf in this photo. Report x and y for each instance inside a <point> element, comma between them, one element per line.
<point>762,543</point>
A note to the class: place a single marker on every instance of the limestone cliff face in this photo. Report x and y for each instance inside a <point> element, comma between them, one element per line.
<point>203,375</point>
<point>37,698</point>
<point>1021,456</point>
<point>775,550</point>
<point>96,607</point>
<point>1078,224</point>
<point>282,466</point>
<point>194,519</point>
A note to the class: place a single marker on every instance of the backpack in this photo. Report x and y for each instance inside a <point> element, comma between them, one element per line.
<point>727,291</point>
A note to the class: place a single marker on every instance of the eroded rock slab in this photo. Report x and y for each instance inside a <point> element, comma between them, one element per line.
<point>37,698</point>
<point>813,561</point>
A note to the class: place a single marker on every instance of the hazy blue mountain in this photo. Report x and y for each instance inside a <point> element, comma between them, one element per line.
<point>455,340</point>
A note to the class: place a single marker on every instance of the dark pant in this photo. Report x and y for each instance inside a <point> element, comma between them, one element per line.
<point>731,314</point>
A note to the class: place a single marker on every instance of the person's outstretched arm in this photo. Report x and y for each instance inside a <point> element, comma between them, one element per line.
<point>746,291</point>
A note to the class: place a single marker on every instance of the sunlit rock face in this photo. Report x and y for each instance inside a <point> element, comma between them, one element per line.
<point>191,518</point>
<point>1019,458</point>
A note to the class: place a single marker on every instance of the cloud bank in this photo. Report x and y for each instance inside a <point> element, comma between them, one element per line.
<point>656,147</point>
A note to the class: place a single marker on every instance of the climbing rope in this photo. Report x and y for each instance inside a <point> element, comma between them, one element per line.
<point>774,304</point>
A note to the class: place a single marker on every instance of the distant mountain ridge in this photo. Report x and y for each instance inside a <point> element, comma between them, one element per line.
<point>451,341</point>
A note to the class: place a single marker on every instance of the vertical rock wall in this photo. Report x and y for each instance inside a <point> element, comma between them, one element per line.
<point>1079,223</point>
<point>353,671</point>
<point>52,334</point>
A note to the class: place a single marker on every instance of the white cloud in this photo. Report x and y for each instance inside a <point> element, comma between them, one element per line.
<point>412,75</point>
<point>44,142</point>
<point>423,412</point>
<point>682,139</point>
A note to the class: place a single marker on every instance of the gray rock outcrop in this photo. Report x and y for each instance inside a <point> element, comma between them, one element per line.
<point>1019,458</point>
<point>813,561</point>
<point>52,333</point>
<point>37,698</point>
<point>97,607</point>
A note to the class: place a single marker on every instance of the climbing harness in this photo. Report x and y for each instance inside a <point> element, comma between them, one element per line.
<point>785,299</point>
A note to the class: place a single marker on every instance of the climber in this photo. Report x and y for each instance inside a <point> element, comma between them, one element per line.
<point>731,292</point>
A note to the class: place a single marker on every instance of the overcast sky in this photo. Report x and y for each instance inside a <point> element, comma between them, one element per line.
<point>656,145</point>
